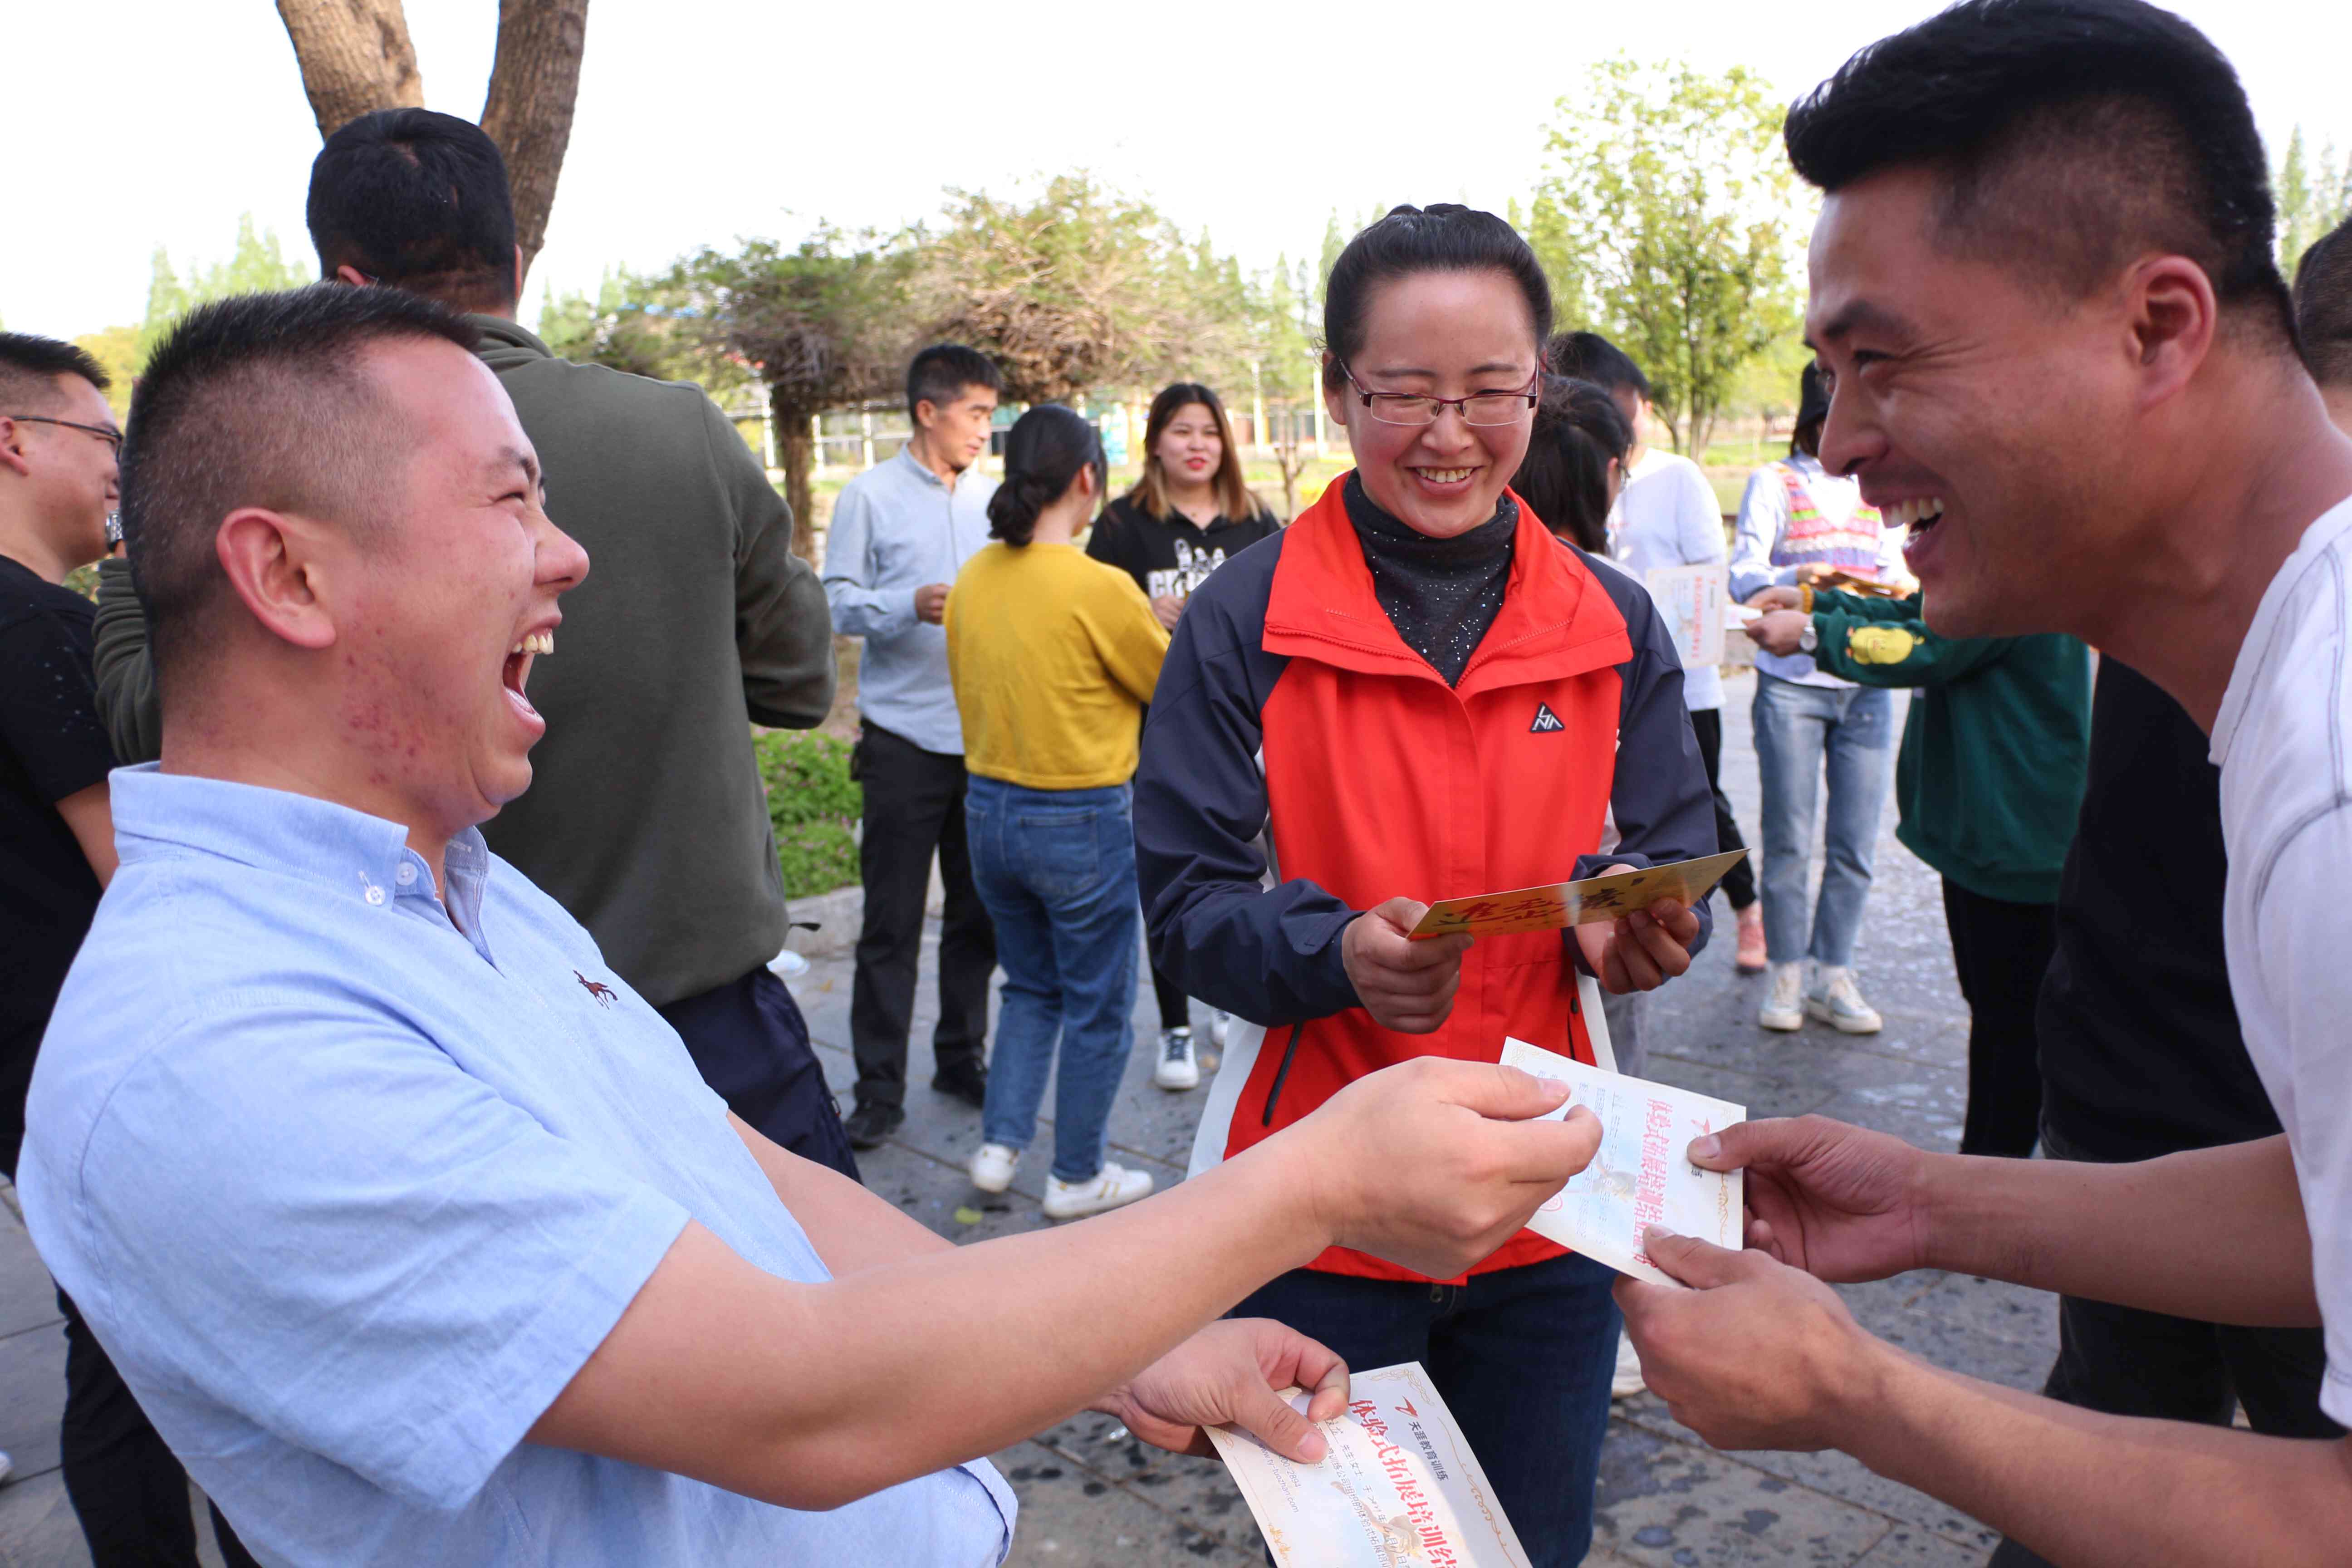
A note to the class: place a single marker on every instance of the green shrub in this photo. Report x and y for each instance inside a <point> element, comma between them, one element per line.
<point>815,805</point>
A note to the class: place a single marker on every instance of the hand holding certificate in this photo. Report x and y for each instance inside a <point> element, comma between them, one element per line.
<point>1564,904</point>
<point>1397,1485</point>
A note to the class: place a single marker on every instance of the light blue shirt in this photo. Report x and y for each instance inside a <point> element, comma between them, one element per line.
<point>350,1192</point>
<point>895,527</point>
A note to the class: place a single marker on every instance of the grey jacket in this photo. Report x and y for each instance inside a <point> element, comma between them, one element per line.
<point>645,817</point>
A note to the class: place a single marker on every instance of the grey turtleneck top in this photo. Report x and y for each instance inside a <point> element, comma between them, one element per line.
<point>1441,594</point>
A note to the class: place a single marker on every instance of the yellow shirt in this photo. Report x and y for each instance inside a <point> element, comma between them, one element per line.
<point>1053,656</point>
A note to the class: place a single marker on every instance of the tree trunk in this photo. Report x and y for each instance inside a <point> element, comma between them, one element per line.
<point>796,455</point>
<point>355,57</point>
<point>533,83</point>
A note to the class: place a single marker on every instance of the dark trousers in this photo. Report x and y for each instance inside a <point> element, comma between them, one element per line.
<point>127,1488</point>
<point>2002,951</point>
<point>1739,882</point>
<point>750,1044</point>
<point>1522,1357</point>
<point>1175,1007</point>
<point>2125,1362</point>
<point>914,807</point>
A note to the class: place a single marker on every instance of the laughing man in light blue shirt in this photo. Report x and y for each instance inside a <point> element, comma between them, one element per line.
<point>415,1230</point>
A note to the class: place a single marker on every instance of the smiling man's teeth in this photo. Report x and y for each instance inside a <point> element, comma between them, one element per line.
<point>1911,513</point>
<point>538,642</point>
<point>1445,475</point>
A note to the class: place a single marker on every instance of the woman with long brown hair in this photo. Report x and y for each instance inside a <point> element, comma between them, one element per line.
<point>1189,512</point>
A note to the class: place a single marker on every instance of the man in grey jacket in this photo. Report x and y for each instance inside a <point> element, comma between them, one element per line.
<point>900,532</point>
<point>647,821</point>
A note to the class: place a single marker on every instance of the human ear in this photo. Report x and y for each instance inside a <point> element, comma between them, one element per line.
<point>2174,317</point>
<point>12,447</point>
<point>352,275</point>
<point>1335,398</point>
<point>272,562</point>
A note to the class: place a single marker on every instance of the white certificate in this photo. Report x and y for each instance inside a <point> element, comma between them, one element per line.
<point>1692,598</point>
<point>1643,1175</point>
<point>1398,1485</point>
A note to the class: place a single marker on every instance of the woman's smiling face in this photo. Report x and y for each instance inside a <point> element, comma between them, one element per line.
<point>1440,334</point>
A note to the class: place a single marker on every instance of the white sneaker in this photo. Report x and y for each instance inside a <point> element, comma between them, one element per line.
<point>1218,1019</point>
<point>1626,1382</point>
<point>1110,1187</point>
<point>1837,1001</point>
<point>1176,1070</point>
<point>1784,1005</point>
<point>992,1167</point>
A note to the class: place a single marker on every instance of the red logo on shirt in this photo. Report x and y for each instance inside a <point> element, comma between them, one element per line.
<point>603,994</point>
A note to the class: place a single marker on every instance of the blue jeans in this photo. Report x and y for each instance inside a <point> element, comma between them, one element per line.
<point>1522,1356</point>
<point>1798,726</point>
<point>1056,869</point>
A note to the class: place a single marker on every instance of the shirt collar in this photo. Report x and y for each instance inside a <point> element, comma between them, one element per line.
<point>364,858</point>
<point>920,468</point>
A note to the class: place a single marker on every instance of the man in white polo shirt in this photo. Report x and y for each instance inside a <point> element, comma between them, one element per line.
<point>2061,353</point>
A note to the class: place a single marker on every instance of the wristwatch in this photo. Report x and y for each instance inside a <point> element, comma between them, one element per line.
<point>1808,639</point>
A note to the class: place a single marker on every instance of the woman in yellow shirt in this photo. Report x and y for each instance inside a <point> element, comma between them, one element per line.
<point>1054,656</point>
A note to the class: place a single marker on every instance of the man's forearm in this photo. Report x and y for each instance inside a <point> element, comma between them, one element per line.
<point>2092,1490</point>
<point>2215,1234</point>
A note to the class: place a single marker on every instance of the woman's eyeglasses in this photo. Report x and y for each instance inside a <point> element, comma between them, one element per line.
<point>1479,408</point>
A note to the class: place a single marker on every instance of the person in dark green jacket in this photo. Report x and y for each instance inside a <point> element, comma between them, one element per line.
<point>646,818</point>
<point>1990,783</point>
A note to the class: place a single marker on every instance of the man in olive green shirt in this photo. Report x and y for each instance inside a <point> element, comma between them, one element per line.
<point>1990,783</point>
<point>647,819</point>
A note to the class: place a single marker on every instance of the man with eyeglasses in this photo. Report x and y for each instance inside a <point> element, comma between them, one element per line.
<point>58,491</point>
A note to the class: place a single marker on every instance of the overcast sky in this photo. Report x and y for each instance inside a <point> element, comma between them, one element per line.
<point>158,122</point>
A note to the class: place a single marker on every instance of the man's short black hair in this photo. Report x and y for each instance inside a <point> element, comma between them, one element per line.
<point>2070,136</point>
<point>418,201</point>
<point>941,372</point>
<point>259,400</point>
<point>29,368</point>
<point>2323,307</point>
<point>1588,356</point>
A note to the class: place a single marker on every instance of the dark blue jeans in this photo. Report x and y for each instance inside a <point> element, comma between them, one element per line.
<point>1056,869</point>
<point>1523,1357</point>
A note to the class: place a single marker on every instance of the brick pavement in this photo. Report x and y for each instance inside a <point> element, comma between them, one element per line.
<point>1090,1496</point>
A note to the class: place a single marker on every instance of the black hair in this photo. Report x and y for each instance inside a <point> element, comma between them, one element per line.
<point>259,400</point>
<point>1813,412</point>
<point>1588,356</point>
<point>2323,307</point>
<point>1043,453</point>
<point>939,374</point>
<point>2067,136</point>
<point>1445,238</point>
<point>30,365</point>
<point>418,201</point>
<point>1564,478</point>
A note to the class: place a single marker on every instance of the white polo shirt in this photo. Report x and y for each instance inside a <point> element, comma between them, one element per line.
<point>2286,816</point>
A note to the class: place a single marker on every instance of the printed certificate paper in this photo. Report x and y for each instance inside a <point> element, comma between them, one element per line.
<point>1564,904</point>
<point>1397,1487</point>
<point>1639,1177</point>
<point>1692,599</point>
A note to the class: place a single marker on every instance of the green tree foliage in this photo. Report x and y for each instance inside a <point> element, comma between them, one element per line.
<point>813,805</point>
<point>256,266</point>
<point>1668,206</point>
<point>116,349</point>
<point>2314,194</point>
<point>1079,288</point>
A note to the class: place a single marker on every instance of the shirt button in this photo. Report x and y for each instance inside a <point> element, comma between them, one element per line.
<point>405,875</point>
<point>375,894</point>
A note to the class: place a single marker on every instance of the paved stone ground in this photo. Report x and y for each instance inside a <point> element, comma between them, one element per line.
<point>1091,1495</point>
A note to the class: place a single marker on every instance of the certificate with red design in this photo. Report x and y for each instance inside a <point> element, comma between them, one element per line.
<point>1397,1486</point>
<point>1641,1175</point>
<point>1563,904</point>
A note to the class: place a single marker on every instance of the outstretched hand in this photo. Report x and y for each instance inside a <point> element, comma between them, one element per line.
<point>1231,1374</point>
<point>1831,1199</point>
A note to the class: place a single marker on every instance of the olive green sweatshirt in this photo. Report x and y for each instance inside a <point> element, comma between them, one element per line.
<point>645,817</point>
<point>1990,781</point>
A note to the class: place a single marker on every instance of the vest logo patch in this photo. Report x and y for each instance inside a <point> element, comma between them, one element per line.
<point>1547,722</point>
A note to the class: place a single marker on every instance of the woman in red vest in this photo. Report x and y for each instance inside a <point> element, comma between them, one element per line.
<point>1413,693</point>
